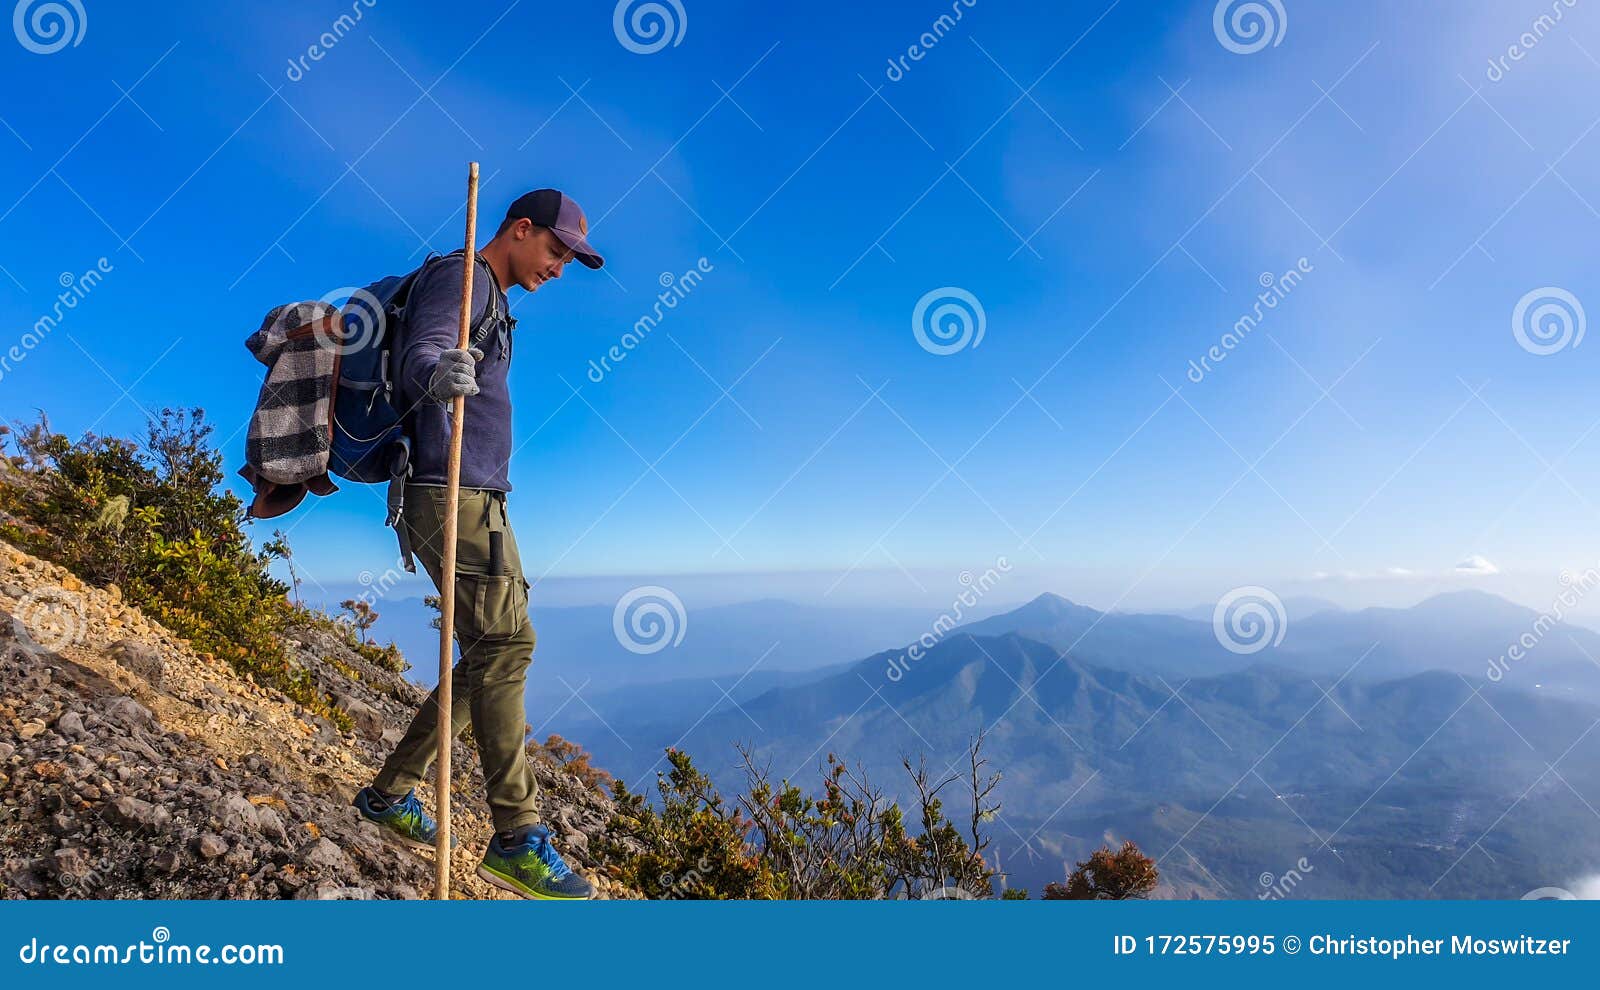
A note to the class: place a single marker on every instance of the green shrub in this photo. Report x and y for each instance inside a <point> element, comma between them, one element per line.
<point>150,517</point>
<point>779,841</point>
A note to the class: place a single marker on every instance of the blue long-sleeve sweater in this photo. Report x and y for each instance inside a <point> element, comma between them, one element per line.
<point>433,314</point>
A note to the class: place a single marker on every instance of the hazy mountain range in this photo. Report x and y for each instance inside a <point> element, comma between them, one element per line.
<point>1370,744</point>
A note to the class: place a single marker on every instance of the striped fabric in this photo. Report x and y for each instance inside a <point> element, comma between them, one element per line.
<point>289,433</point>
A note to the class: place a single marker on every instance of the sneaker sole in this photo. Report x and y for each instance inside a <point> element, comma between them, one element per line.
<point>510,886</point>
<point>416,845</point>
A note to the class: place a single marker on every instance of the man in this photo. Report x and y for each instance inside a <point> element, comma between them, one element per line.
<point>542,232</point>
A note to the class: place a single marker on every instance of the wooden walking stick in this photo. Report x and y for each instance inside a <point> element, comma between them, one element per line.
<point>447,583</point>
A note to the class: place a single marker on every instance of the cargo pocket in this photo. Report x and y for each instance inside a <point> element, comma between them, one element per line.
<point>490,606</point>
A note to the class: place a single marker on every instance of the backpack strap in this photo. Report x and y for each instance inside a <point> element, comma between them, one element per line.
<point>484,323</point>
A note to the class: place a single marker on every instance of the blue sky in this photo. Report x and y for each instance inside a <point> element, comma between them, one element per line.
<point>1109,180</point>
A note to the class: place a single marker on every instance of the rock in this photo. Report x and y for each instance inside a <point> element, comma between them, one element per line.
<point>166,861</point>
<point>236,814</point>
<point>334,892</point>
<point>30,730</point>
<point>270,825</point>
<point>71,861</point>
<point>141,659</point>
<point>128,713</point>
<point>324,855</point>
<point>70,724</point>
<point>6,749</point>
<point>368,721</point>
<point>391,736</point>
<point>130,812</point>
<point>240,857</point>
<point>210,845</point>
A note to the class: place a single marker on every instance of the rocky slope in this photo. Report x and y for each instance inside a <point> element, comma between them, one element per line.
<point>131,766</point>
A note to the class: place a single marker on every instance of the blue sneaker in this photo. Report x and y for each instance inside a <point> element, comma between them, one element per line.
<point>404,818</point>
<point>533,869</point>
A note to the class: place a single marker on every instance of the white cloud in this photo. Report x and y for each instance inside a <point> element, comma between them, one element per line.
<point>1477,565</point>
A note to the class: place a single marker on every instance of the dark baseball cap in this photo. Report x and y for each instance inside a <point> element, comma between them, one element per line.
<point>556,210</point>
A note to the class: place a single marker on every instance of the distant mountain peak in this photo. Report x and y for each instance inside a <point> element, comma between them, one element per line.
<point>1471,602</point>
<point>1050,604</point>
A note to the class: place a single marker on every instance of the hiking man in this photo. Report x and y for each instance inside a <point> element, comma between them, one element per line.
<point>542,232</point>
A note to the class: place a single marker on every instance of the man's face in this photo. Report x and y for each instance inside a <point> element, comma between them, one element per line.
<point>537,255</point>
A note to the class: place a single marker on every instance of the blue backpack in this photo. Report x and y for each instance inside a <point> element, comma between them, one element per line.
<point>368,442</point>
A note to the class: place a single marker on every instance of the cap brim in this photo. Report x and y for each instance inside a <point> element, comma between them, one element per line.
<point>580,247</point>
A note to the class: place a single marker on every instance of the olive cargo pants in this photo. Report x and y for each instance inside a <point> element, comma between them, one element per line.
<point>496,639</point>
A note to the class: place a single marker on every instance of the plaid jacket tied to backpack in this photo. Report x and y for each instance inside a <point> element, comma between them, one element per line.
<point>286,449</point>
